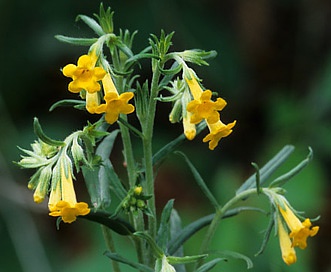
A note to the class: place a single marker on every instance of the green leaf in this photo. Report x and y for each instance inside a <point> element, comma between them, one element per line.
<point>159,156</point>
<point>210,265</point>
<point>78,104</point>
<point>107,175</point>
<point>76,41</point>
<point>188,231</point>
<point>42,136</point>
<point>186,259</point>
<point>266,235</point>
<point>92,24</point>
<point>156,249</point>
<point>118,225</point>
<point>200,181</point>
<point>280,181</point>
<point>235,255</point>
<point>164,228</point>
<point>269,168</point>
<point>257,177</point>
<point>119,258</point>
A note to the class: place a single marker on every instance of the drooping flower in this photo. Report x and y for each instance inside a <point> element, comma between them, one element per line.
<point>92,101</point>
<point>62,200</point>
<point>85,75</point>
<point>205,108</point>
<point>217,131</point>
<point>288,251</point>
<point>189,128</point>
<point>115,104</point>
<point>300,231</point>
<point>194,85</point>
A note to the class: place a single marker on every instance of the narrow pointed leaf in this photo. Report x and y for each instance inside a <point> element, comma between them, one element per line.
<point>76,41</point>
<point>171,146</point>
<point>186,259</point>
<point>68,103</point>
<point>119,258</point>
<point>156,249</point>
<point>200,182</point>
<point>210,265</point>
<point>235,255</point>
<point>188,231</point>
<point>164,229</point>
<point>280,181</point>
<point>91,23</point>
<point>118,225</point>
<point>42,136</point>
<point>269,168</point>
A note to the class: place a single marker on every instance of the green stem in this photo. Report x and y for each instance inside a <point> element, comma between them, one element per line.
<point>137,221</point>
<point>110,245</point>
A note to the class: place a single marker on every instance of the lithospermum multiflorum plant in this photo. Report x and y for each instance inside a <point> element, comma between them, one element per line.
<point>106,83</point>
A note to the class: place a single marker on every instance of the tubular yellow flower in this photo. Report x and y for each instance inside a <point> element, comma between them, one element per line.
<point>194,86</point>
<point>108,84</point>
<point>217,131</point>
<point>92,101</point>
<point>189,128</point>
<point>300,231</point>
<point>115,104</point>
<point>205,108</point>
<point>288,252</point>
<point>85,75</point>
<point>62,200</point>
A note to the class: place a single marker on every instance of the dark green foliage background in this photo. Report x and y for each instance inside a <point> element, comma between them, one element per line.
<point>273,68</point>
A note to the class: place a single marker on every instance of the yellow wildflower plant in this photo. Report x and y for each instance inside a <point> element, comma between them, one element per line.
<point>115,103</point>
<point>217,131</point>
<point>300,231</point>
<point>85,75</point>
<point>62,200</point>
<point>205,108</point>
<point>288,251</point>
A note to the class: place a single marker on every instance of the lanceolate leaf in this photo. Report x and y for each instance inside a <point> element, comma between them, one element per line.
<point>116,224</point>
<point>188,231</point>
<point>76,41</point>
<point>164,229</point>
<point>269,168</point>
<point>231,254</point>
<point>280,181</point>
<point>119,258</point>
<point>210,265</point>
<point>171,146</point>
<point>68,103</point>
<point>42,136</point>
<point>91,23</point>
<point>200,182</point>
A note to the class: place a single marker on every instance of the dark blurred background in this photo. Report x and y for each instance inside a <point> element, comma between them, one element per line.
<point>273,68</point>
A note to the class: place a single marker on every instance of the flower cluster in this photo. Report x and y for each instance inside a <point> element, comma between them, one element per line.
<point>86,77</point>
<point>54,161</point>
<point>200,108</point>
<point>299,232</point>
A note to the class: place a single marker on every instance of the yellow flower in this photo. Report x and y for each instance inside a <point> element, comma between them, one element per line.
<point>300,231</point>
<point>85,75</point>
<point>189,128</point>
<point>194,86</point>
<point>62,200</point>
<point>92,102</point>
<point>205,108</point>
<point>115,104</point>
<point>288,252</point>
<point>217,131</point>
